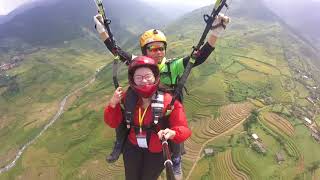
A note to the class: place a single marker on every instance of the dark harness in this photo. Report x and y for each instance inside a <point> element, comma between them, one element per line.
<point>159,118</point>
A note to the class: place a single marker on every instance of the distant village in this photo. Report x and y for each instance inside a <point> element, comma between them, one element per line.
<point>14,61</point>
<point>306,115</point>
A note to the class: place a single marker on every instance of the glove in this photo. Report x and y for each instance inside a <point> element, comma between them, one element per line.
<point>219,24</point>
<point>98,20</point>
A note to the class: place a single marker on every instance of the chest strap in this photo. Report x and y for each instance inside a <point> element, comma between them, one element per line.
<point>157,105</point>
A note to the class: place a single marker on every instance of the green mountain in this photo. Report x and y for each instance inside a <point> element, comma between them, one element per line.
<point>56,23</point>
<point>256,82</point>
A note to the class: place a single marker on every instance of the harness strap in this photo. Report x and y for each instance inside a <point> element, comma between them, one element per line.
<point>130,104</point>
<point>157,106</point>
<point>169,72</point>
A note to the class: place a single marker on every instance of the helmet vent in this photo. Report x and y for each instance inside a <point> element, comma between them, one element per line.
<point>155,31</point>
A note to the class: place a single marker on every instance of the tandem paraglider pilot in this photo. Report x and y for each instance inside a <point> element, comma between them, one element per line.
<point>150,121</point>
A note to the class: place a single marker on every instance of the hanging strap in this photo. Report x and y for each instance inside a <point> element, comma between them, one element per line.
<point>115,50</point>
<point>191,59</point>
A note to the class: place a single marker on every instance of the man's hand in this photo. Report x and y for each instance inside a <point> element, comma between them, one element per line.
<point>219,24</point>
<point>98,20</point>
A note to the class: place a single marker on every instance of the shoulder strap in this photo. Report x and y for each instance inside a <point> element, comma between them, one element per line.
<point>157,105</point>
<point>169,72</point>
<point>173,75</point>
<point>166,73</point>
<point>129,106</point>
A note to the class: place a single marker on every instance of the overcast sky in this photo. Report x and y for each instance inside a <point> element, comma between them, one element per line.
<point>201,3</point>
<point>7,6</point>
<point>194,3</point>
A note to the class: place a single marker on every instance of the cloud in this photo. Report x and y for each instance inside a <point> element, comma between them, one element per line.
<point>191,3</point>
<point>6,6</point>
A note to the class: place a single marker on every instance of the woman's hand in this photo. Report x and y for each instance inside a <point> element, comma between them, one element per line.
<point>116,98</point>
<point>167,134</point>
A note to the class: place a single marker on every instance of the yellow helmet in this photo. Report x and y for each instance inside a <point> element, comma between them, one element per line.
<point>152,35</point>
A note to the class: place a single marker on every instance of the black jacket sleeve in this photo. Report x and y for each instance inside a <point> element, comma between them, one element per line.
<point>201,55</point>
<point>124,56</point>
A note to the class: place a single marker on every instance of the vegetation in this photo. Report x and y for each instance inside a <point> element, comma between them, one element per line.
<point>252,119</point>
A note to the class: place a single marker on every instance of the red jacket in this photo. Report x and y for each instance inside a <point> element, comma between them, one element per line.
<point>177,122</point>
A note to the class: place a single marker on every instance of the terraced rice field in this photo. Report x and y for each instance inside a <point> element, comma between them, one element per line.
<point>98,170</point>
<point>224,168</point>
<point>205,129</point>
<point>292,149</point>
<point>258,66</point>
<point>286,133</point>
<point>243,164</point>
<point>279,123</point>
